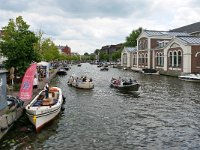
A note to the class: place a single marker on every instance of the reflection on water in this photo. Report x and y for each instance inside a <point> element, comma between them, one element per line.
<point>166,115</point>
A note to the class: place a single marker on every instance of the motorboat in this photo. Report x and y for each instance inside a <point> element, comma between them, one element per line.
<point>190,77</point>
<point>62,71</point>
<point>150,71</point>
<point>104,68</point>
<point>14,110</point>
<point>42,110</point>
<point>125,84</point>
<point>81,82</point>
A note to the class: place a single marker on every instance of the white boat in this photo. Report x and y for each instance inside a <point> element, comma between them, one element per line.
<point>190,77</point>
<point>41,110</point>
<point>81,83</point>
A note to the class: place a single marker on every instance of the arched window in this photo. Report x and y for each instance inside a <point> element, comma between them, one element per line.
<point>135,59</point>
<point>146,60</point>
<point>124,58</point>
<point>157,59</point>
<point>179,58</point>
<point>175,64</point>
<point>198,59</point>
<point>162,59</point>
<point>142,58</point>
<point>170,59</point>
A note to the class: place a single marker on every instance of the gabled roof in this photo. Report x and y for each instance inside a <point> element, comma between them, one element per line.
<point>164,33</point>
<point>130,49</point>
<point>188,28</point>
<point>190,40</point>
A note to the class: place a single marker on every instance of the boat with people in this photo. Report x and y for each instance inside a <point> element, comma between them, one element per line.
<point>104,68</point>
<point>125,84</point>
<point>45,107</point>
<point>82,82</point>
<point>190,77</point>
<point>62,71</point>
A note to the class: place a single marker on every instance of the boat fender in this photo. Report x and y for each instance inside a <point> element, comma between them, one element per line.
<point>62,108</point>
<point>3,122</point>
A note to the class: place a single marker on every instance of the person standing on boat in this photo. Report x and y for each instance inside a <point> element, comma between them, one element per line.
<point>46,88</point>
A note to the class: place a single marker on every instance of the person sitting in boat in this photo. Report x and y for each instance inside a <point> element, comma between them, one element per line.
<point>130,81</point>
<point>84,79</point>
<point>90,80</point>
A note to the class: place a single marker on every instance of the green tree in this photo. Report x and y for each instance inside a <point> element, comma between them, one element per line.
<point>116,55</point>
<point>49,50</point>
<point>131,40</point>
<point>17,45</point>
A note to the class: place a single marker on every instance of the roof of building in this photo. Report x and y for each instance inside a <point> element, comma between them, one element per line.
<point>165,33</point>
<point>191,40</point>
<point>188,28</point>
<point>130,49</point>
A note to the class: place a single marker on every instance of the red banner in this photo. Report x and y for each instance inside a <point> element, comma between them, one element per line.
<point>26,88</point>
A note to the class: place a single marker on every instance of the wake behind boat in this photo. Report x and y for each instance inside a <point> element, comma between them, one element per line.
<point>42,110</point>
<point>125,84</point>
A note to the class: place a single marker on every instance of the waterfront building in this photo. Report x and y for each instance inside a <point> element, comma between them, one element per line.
<point>171,53</point>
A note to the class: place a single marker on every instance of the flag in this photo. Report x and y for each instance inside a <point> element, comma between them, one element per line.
<point>26,88</point>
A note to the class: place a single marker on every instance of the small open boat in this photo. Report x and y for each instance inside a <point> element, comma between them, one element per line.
<point>124,84</point>
<point>61,71</point>
<point>82,83</point>
<point>104,68</point>
<point>42,110</point>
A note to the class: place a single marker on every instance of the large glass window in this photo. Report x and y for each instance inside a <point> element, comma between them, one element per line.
<point>175,64</point>
<point>170,59</point>
<point>162,59</point>
<point>179,58</point>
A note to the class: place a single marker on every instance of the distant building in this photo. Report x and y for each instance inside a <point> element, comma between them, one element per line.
<point>64,50</point>
<point>109,49</point>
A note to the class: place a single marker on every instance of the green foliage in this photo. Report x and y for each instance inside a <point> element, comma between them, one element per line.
<point>103,57</point>
<point>116,55</point>
<point>131,40</point>
<point>17,45</point>
<point>49,50</point>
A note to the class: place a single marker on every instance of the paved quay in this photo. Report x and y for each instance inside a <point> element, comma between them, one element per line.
<point>11,117</point>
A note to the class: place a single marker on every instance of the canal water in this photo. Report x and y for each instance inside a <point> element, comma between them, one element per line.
<point>166,115</point>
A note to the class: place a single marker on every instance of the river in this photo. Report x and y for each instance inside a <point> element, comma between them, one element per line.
<point>166,115</point>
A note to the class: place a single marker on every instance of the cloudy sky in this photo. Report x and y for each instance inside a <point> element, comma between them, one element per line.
<point>86,25</point>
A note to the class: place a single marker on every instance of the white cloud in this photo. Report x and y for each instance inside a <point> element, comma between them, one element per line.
<point>88,25</point>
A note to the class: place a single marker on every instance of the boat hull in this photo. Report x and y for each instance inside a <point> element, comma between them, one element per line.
<point>40,114</point>
<point>132,87</point>
<point>83,85</point>
<point>40,119</point>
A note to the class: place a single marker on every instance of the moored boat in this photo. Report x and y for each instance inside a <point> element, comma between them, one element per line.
<point>150,71</point>
<point>190,77</point>
<point>42,110</point>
